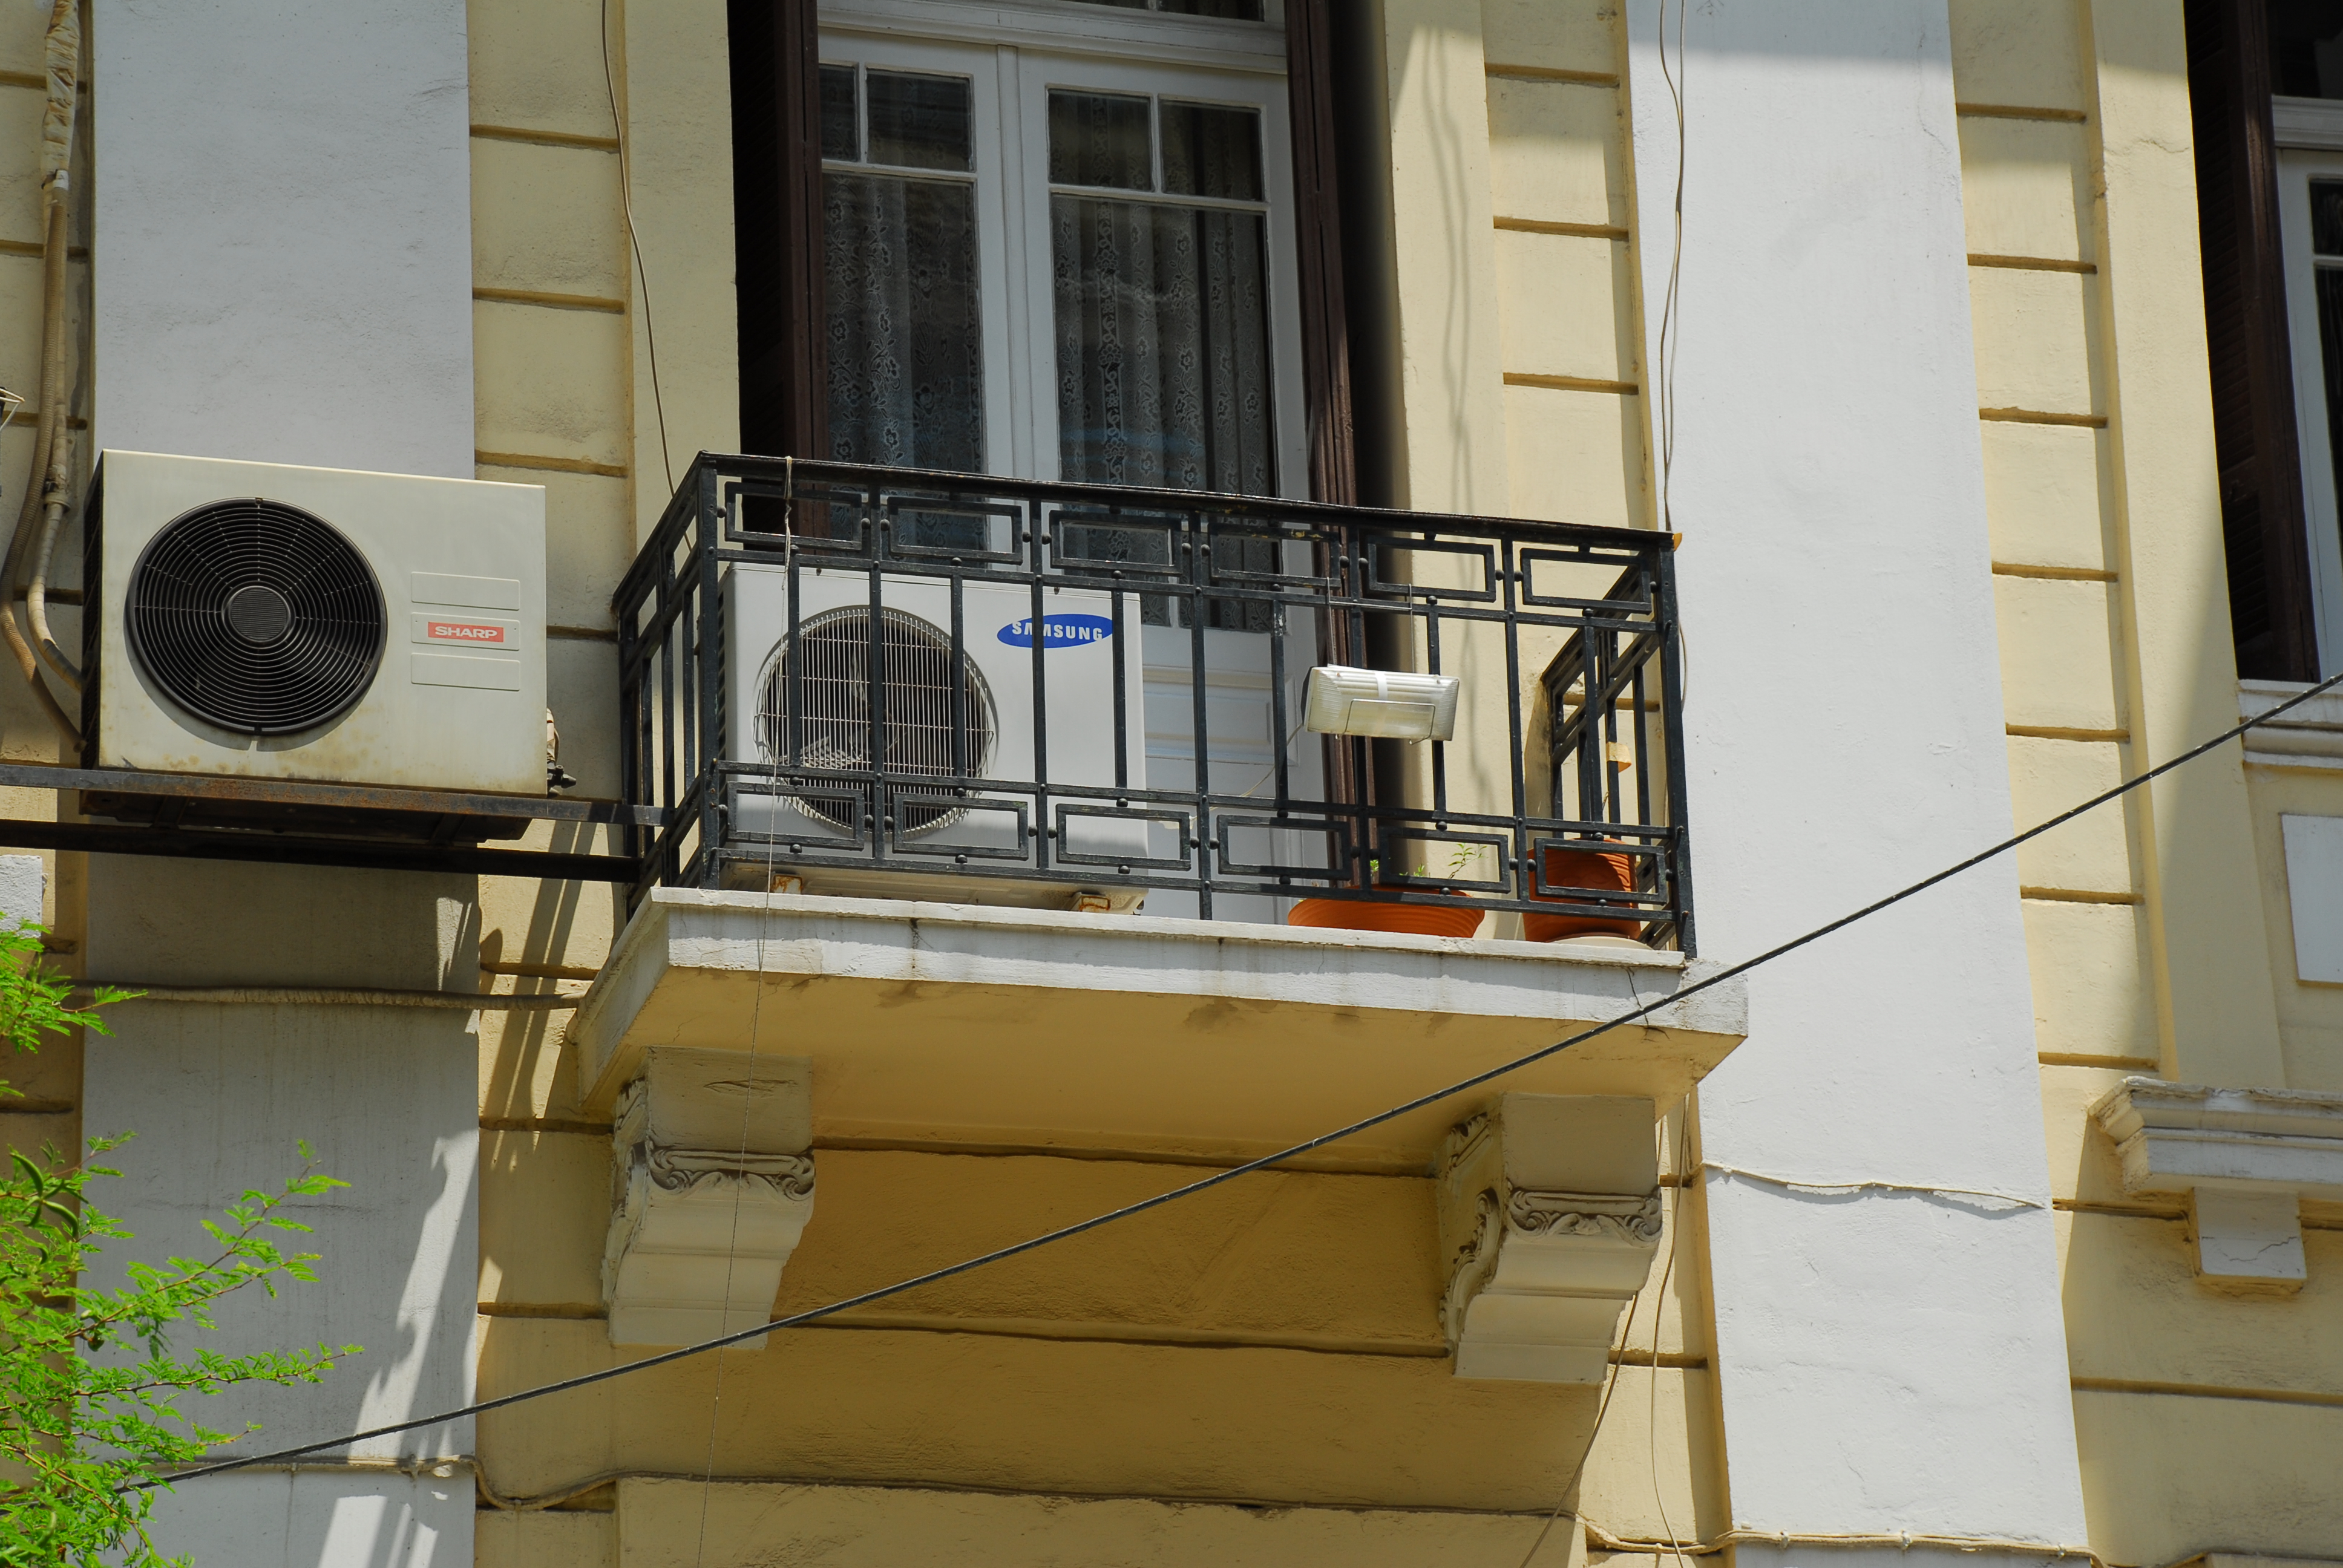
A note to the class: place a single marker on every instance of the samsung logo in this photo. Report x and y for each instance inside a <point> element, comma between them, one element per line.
<point>1059,631</point>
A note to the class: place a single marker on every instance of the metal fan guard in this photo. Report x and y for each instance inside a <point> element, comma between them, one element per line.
<point>255,616</point>
<point>835,725</point>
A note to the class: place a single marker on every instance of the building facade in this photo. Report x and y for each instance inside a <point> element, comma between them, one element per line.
<point>1975,357</point>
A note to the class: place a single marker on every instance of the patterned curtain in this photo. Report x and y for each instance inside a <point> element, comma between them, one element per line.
<point>1162,345</point>
<point>906,342</point>
<point>1164,368</point>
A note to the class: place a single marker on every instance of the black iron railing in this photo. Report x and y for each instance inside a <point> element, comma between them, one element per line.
<point>1074,693</point>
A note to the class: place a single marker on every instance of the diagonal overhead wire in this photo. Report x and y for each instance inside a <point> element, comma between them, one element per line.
<point>1131,1210</point>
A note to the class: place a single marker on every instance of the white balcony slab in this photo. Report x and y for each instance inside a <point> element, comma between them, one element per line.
<point>948,1023</point>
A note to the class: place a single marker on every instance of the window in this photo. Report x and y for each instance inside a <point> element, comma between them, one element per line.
<point>1058,264</point>
<point>1159,272</point>
<point>2310,223</point>
<point>905,328</point>
<point>1236,10</point>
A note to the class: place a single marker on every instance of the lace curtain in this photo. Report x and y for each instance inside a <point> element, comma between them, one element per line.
<point>1162,345</point>
<point>905,339</point>
<point>1164,365</point>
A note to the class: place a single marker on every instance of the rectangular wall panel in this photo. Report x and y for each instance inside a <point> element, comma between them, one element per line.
<point>281,232</point>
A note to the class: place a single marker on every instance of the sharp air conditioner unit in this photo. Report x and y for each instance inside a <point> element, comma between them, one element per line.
<point>975,720</point>
<point>272,622</point>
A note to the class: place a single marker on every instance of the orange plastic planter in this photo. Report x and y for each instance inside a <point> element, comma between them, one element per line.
<point>1592,869</point>
<point>1418,919</point>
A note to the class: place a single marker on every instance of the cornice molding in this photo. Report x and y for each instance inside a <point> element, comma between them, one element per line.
<point>2245,1157</point>
<point>2310,736</point>
<point>2312,123</point>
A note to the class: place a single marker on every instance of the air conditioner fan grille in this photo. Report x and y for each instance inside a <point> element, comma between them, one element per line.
<point>255,616</point>
<point>834,722</point>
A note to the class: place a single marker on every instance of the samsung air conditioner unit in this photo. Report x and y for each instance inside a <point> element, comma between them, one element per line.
<point>811,699</point>
<point>262,621</point>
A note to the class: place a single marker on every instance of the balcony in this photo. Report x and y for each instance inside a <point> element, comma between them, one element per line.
<point>990,822</point>
<point>1093,698</point>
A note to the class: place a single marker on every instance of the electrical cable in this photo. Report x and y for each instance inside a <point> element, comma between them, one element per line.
<point>1670,331</point>
<point>1659,1301</point>
<point>1610,1386</point>
<point>1603,1540</point>
<point>634,242</point>
<point>1309,1145</point>
<point>748,1101</point>
<point>1872,1184</point>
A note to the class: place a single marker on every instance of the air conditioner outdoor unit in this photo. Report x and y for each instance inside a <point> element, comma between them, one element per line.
<point>975,720</point>
<point>267,621</point>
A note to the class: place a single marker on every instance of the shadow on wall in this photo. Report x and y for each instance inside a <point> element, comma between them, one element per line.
<point>321,1520</point>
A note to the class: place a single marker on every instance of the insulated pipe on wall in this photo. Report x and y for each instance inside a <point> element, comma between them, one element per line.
<point>47,482</point>
<point>63,61</point>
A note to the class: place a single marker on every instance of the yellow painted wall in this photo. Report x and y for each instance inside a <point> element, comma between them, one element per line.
<point>2310,1015</point>
<point>2153,932</point>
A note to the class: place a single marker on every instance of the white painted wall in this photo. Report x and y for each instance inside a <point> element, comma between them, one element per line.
<point>219,1096</point>
<point>281,270</point>
<point>1886,1361</point>
<point>278,1519</point>
<point>281,235</point>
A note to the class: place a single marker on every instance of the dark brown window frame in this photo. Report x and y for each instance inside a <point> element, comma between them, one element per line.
<point>2265,537</point>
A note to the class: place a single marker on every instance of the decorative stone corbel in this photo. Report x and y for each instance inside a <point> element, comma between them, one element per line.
<point>1549,1218</point>
<point>711,1185</point>
<point>2246,1159</point>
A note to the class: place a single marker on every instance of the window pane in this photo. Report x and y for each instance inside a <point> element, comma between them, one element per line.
<point>1211,152</point>
<point>905,339</point>
<point>1162,323</point>
<point>2330,339</point>
<point>2306,48</point>
<point>1241,10</point>
<point>919,121</point>
<point>838,116</point>
<point>2327,216</point>
<point>1099,139</point>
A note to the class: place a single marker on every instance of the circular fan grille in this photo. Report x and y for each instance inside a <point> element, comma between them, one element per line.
<point>833,710</point>
<point>255,616</point>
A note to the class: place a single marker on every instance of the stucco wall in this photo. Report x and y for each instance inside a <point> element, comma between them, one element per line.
<point>284,268</point>
<point>1830,489</point>
<point>2151,927</point>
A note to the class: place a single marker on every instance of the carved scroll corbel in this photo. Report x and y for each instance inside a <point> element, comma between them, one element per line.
<point>712,1182</point>
<point>1539,1273</point>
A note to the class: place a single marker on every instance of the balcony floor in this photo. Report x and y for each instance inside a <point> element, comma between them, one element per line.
<point>1018,1029</point>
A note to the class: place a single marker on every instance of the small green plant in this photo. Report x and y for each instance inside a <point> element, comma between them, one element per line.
<point>1463,856</point>
<point>89,1423</point>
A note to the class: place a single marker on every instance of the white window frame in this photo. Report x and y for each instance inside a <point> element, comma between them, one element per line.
<point>2322,509</point>
<point>992,261</point>
<point>1015,52</point>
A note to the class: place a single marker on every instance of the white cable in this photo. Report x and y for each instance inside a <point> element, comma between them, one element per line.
<point>749,1100</point>
<point>1659,1305</point>
<point>634,242</point>
<point>1603,1540</point>
<point>1873,1184</point>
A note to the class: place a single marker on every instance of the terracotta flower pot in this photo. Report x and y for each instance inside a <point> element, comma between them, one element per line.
<point>1353,915</point>
<point>1592,869</point>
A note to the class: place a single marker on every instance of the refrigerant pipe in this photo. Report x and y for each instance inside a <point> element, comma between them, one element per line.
<point>48,482</point>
